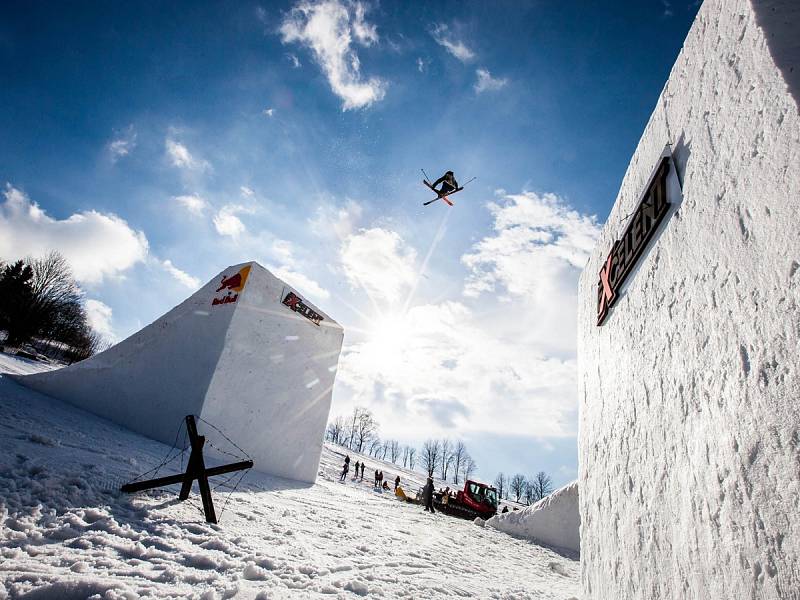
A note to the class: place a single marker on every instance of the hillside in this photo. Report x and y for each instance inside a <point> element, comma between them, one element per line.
<point>67,532</point>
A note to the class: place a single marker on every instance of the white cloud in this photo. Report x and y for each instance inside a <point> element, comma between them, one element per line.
<point>96,245</point>
<point>180,157</point>
<point>420,65</point>
<point>379,262</point>
<point>294,61</point>
<point>329,28</point>
<point>99,316</point>
<point>303,284</point>
<point>457,48</point>
<point>182,277</point>
<point>444,367</point>
<point>337,221</point>
<point>486,82</point>
<point>283,250</point>
<point>538,241</point>
<point>247,192</point>
<point>270,112</point>
<point>122,144</point>
<point>194,204</point>
<point>227,223</point>
<point>499,360</point>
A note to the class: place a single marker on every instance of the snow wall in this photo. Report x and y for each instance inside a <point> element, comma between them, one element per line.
<point>554,520</point>
<point>247,353</point>
<point>690,390</point>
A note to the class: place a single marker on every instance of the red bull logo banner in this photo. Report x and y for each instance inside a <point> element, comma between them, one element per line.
<point>296,303</point>
<point>232,286</point>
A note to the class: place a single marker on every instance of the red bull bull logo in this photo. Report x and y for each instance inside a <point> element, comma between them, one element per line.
<point>233,285</point>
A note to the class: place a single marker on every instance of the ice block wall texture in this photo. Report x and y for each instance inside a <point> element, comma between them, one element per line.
<point>554,520</point>
<point>690,392</point>
<point>256,369</point>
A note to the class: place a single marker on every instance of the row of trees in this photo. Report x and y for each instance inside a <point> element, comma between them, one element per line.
<point>442,457</point>
<point>40,301</point>
<point>520,488</point>
<point>448,460</point>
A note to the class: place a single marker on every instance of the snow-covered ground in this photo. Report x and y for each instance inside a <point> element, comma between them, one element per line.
<point>66,531</point>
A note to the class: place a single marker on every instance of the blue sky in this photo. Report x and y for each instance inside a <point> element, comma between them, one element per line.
<point>154,144</point>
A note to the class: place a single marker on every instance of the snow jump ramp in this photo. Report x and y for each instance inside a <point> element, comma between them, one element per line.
<point>246,352</point>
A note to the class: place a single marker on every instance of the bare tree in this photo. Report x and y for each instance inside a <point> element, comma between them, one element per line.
<point>541,486</point>
<point>470,466</point>
<point>501,483</point>
<point>529,492</point>
<point>431,455</point>
<point>446,458</point>
<point>459,456</point>
<point>517,485</point>
<point>394,450</point>
<point>350,428</point>
<point>405,456</point>
<point>364,428</point>
<point>412,457</point>
<point>336,430</point>
<point>375,446</point>
<point>384,449</point>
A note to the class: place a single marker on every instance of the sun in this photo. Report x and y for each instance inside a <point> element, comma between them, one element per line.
<point>388,337</point>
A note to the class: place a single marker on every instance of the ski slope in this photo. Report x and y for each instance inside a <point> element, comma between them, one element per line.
<point>66,532</point>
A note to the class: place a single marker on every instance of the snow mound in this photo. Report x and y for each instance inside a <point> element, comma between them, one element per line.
<point>554,520</point>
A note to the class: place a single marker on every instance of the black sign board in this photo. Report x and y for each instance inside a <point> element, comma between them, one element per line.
<point>296,303</point>
<point>626,251</point>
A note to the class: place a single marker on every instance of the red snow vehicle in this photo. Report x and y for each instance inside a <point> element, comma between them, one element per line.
<point>475,500</point>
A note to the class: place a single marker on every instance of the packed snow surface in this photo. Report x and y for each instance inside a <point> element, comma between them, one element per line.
<point>689,412</point>
<point>554,520</point>
<point>67,532</point>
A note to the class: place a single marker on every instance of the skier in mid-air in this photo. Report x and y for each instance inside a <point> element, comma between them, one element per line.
<point>449,184</point>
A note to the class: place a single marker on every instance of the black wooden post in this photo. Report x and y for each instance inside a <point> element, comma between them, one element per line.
<point>195,469</point>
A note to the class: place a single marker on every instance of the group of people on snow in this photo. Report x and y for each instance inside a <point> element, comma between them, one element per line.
<point>427,494</point>
<point>359,472</point>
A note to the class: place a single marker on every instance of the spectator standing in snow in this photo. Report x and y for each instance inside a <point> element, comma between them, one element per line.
<point>427,495</point>
<point>375,485</point>
<point>380,478</point>
<point>362,471</point>
<point>356,475</point>
<point>396,482</point>
<point>345,469</point>
<point>347,461</point>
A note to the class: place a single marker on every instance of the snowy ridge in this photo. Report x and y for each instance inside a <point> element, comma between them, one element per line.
<point>66,531</point>
<point>554,520</point>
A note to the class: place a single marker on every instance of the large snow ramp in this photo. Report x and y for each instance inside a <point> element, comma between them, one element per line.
<point>689,411</point>
<point>247,353</point>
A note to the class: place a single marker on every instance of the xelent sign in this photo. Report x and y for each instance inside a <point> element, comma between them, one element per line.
<point>651,210</point>
<point>296,303</point>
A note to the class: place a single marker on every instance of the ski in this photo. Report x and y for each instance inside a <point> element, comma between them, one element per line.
<point>440,196</point>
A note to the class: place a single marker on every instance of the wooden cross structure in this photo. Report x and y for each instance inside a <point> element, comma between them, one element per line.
<point>195,469</point>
